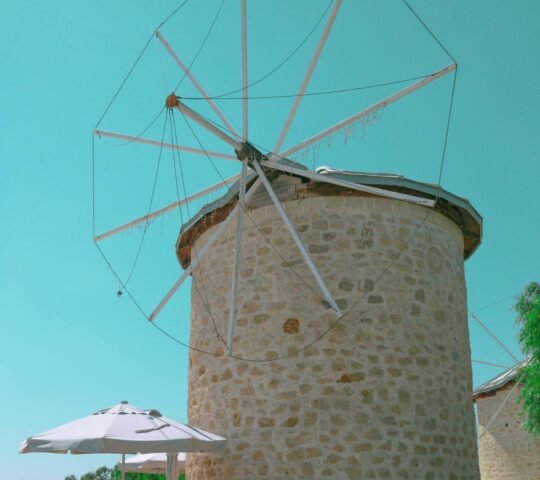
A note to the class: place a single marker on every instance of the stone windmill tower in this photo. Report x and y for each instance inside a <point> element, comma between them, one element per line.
<point>329,332</point>
<point>507,452</point>
<point>384,394</point>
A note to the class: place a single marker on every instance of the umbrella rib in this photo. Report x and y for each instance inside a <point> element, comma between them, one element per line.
<point>181,429</point>
<point>148,430</point>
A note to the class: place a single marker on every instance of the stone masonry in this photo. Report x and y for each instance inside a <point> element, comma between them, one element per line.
<point>507,452</point>
<point>385,393</point>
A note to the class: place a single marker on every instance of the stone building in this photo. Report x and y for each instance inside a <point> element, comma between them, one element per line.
<point>507,451</point>
<point>382,393</point>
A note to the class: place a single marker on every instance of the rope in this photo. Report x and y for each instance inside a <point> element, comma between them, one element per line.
<point>204,300</point>
<point>201,46</point>
<point>314,94</point>
<point>283,62</point>
<point>498,302</point>
<point>149,206</point>
<point>137,60</point>
<point>492,335</point>
<point>429,31</point>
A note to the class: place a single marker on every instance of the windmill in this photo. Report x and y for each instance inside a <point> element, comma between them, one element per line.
<point>258,167</point>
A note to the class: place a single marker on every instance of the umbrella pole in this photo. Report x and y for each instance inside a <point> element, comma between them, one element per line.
<point>123,466</point>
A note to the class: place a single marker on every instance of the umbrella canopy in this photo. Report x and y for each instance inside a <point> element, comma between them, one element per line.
<point>123,429</point>
<point>154,463</point>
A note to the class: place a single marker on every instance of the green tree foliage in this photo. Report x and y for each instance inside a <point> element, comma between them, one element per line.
<point>104,473</point>
<point>528,310</point>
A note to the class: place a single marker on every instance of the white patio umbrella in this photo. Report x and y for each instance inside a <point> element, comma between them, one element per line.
<point>154,463</point>
<point>125,429</point>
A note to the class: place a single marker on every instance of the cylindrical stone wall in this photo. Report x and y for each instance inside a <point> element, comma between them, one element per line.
<point>507,451</point>
<point>385,393</point>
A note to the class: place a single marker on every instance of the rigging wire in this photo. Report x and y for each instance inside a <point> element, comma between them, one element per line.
<point>201,46</point>
<point>149,206</point>
<point>429,31</point>
<point>123,144</point>
<point>137,60</point>
<point>497,302</point>
<point>134,139</point>
<point>282,63</point>
<point>205,301</point>
<point>494,337</point>
<point>314,94</point>
<point>264,97</point>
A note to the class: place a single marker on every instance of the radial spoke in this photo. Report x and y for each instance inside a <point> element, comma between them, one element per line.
<point>326,293</point>
<point>307,77</point>
<point>168,208</point>
<point>201,253</point>
<point>506,367</point>
<point>244,72</point>
<point>492,335</point>
<point>155,143</point>
<point>364,113</point>
<point>196,83</point>
<point>241,197</point>
<point>237,259</point>
<point>353,186</point>
<point>188,112</point>
<point>499,409</point>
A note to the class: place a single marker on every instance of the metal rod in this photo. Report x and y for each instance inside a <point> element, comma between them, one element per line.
<point>241,197</point>
<point>244,71</point>
<point>501,406</point>
<point>154,143</point>
<point>491,364</point>
<point>494,337</point>
<point>307,257</point>
<point>123,466</point>
<point>354,186</point>
<point>307,77</point>
<point>166,209</point>
<point>201,253</point>
<point>364,113</point>
<point>195,82</point>
<point>208,126</point>
<point>237,260</point>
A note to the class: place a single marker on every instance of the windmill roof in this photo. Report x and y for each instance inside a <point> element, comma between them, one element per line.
<point>500,381</point>
<point>457,209</point>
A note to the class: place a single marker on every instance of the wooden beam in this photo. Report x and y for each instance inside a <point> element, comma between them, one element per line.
<point>364,113</point>
<point>307,77</point>
<point>195,82</point>
<point>168,208</point>
<point>154,143</point>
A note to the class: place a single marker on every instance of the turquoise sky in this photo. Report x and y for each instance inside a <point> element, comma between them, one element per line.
<point>69,345</point>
